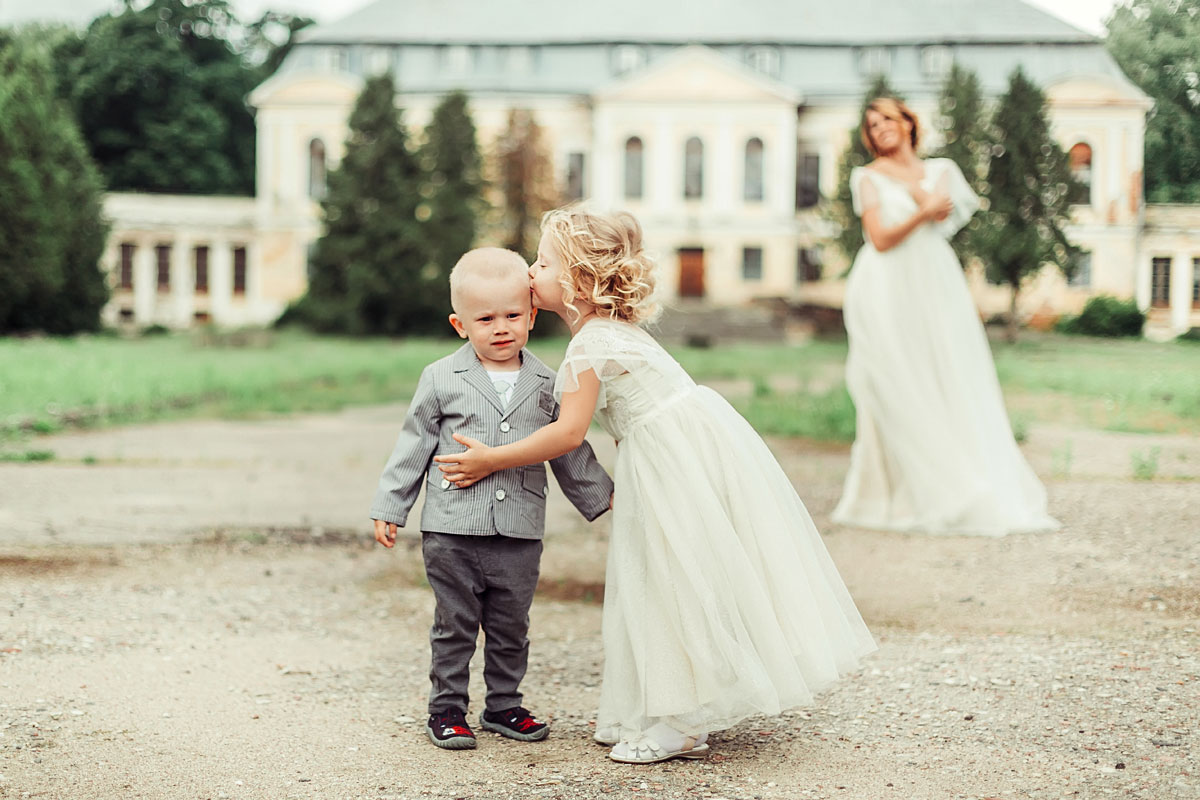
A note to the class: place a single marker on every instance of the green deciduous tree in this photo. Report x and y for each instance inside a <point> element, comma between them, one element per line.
<point>965,141</point>
<point>450,157</point>
<point>371,271</point>
<point>849,238</point>
<point>159,91</point>
<point>526,181</point>
<point>1157,44</point>
<point>51,228</point>
<point>1027,194</point>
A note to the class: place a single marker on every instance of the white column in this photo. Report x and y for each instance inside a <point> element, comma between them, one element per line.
<point>183,282</point>
<point>724,165</point>
<point>663,169</point>
<point>603,186</point>
<point>220,280</point>
<point>781,173</point>
<point>145,281</point>
<point>1181,291</point>
<point>1142,279</point>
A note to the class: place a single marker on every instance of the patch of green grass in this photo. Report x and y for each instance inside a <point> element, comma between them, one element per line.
<point>824,416</point>
<point>1125,385</point>
<point>28,456</point>
<point>52,383</point>
<point>1145,465</point>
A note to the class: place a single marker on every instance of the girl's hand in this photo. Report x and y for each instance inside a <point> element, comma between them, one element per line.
<point>468,467</point>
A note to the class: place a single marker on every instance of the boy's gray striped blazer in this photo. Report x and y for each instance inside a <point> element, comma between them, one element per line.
<point>455,395</point>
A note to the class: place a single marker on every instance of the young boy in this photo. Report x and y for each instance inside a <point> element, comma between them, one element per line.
<point>482,544</point>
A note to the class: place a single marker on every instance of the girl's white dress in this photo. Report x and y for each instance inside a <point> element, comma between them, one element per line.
<point>934,451</point>
<point>720,599</point>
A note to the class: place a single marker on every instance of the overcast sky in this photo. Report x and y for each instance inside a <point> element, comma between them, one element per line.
<point>1086,14</point>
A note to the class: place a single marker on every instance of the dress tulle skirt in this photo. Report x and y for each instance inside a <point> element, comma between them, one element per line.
<point>934,451</point>
<point>721,600</point>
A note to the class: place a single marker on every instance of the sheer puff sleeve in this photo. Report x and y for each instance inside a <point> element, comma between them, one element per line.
<point>607,348</point>
<point>863,191</point>
<point>952,183</point>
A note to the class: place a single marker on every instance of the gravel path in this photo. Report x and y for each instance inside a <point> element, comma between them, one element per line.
<point>204,617</point>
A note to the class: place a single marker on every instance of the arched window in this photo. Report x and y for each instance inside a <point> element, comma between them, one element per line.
<point>633,168</point>
<point>693,169</point>
<point>316,169</point>
<point>753,189</point>
<point>1080,159</point>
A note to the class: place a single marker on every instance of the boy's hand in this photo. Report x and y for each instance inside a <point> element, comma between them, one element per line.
<point>385,533</point>
<point>468,467</point>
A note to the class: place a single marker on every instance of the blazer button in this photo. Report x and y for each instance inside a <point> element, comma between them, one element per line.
<point>445,483</point>
<point>500,494</point>
<point>546,490</point>
<point>505,427</point>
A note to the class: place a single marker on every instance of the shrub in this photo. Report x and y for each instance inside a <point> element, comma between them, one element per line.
<point>1104,315</point>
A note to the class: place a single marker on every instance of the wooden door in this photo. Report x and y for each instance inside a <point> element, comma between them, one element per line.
<point>691,272</point>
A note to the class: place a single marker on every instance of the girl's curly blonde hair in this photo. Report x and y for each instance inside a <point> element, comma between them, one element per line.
<point>604,263</point>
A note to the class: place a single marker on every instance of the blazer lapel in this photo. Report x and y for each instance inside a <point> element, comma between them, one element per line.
<point>533,374</point>
<point>466,364</point>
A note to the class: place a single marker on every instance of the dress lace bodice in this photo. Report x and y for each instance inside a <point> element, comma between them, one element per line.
<point>638,378</point>
<point>871,188</point>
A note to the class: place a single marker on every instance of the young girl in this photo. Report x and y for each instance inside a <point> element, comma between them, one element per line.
<point>720,600</point>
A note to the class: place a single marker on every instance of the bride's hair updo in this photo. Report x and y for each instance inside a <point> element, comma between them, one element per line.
<point>892,109</point>
<point>604,263</point>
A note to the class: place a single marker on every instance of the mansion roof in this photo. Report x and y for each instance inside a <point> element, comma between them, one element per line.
<point>843,22</point>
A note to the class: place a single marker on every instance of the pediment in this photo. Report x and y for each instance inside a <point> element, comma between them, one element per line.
<point>303,88</point>
<point>1096,91</point>
<point>698,74</point>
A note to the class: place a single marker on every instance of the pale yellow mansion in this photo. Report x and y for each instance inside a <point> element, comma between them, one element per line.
<point>718,123</point>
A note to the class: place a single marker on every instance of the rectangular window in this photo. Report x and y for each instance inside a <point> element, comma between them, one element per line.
<point>201,270</point>
<point>125,277</point>
<point>1196,283</point>
<point>574,177</point>
<point>239,270</point>
<point>1160,282</point>
<point>808,265</point>
<point>752,263</point>
<point>1083,272</point>
<point>808,180</point>
<point>162,253</point>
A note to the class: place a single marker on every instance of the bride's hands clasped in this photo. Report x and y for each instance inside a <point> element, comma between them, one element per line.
<point>933,206</point>
<point>468,467</point>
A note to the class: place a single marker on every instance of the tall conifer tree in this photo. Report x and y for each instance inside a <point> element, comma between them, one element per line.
<point>52,231</point>
<point>450,158</point>
<point>526,181</point>
<point>371,271</point>
<point>1027,194</point>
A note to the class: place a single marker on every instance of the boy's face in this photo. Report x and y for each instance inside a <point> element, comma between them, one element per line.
<point>495,315</point>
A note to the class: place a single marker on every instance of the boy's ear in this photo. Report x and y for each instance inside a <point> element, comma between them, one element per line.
<point>532,317</point>
<point>458,326</point>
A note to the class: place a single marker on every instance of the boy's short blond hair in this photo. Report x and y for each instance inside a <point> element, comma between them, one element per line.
<point>496,263</point>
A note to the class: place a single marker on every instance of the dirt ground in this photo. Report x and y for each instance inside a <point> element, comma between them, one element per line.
<point>197,610</point>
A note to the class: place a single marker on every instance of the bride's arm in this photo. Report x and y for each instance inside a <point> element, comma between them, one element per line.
<point>550,441</point>
<point>932,206</point>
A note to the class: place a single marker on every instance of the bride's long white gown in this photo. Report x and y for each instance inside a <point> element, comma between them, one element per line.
<point>934,450</point>
<point>720,600</point>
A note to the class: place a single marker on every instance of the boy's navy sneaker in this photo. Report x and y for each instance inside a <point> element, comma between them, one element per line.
<point>515,723</point>
<point>449,729</point>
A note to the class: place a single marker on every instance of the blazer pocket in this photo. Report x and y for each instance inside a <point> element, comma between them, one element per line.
<point>534,480</point>
<point>437,480</point>
<point>546,402</point>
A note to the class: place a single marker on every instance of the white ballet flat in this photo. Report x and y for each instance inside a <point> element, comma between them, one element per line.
<point>645,750</point>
